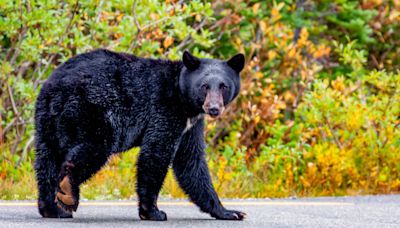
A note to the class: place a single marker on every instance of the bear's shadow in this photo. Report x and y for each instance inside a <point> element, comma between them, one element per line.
<point>121,220</point>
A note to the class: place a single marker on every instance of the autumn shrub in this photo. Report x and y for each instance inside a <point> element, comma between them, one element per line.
<point>265,152</point>
<point>344,139</point>
<point>318,113</point>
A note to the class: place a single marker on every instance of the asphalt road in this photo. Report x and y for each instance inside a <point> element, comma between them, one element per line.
<point>366,211</point>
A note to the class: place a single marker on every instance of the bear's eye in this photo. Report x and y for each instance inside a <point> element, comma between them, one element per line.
<point>222,86</point>
<point>205,87</point>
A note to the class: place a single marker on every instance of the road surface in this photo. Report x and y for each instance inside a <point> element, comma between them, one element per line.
<point>365,211</point>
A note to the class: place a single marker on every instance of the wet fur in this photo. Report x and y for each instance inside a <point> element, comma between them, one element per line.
<point>100,103</point>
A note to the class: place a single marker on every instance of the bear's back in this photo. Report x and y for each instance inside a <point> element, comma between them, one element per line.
<point>91,64</point>
<point>111,80</point>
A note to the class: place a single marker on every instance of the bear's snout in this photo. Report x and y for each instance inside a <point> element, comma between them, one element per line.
<point>214,104</point>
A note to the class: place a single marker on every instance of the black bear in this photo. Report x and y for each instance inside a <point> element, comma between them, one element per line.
<point>102,102</point>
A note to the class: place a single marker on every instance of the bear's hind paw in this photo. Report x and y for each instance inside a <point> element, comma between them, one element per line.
<point>65,198</point>
<point>51,211</point>
<point>62,200</point>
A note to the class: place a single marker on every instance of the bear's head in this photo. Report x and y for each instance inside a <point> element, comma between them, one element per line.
<point>210,84</point>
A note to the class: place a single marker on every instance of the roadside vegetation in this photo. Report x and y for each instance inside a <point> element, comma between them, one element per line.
<point>318,113</point>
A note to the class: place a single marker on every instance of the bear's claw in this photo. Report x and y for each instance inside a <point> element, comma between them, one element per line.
<point>230,215</point>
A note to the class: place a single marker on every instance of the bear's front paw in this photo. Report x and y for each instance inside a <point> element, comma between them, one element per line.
<point>230,215</point>
<point>153,215</point>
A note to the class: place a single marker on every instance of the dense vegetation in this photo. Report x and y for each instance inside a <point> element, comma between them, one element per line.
<point>318,113</point>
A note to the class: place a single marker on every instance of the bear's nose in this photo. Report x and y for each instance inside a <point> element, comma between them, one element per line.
<point>213,112</point>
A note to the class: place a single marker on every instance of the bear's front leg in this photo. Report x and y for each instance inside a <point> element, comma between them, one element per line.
<point>191,170</point>
<point>158,147</point>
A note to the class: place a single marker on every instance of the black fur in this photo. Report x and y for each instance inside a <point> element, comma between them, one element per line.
<point>102,102</point>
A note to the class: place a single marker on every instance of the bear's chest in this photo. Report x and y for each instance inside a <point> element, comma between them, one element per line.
<point>190,122</point>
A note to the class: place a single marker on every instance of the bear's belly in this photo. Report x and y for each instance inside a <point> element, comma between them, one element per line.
<point>133,138</point>
<point>127,132</point>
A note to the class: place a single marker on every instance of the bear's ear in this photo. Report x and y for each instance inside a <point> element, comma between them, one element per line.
<point>236,62</point>
<point>190,61</point>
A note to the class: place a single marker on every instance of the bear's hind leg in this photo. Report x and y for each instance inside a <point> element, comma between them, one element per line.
<point>47,170</point>
<point>81,162</point>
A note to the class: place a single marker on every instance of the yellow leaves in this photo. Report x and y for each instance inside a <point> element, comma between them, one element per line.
<point>289,174</point>
<point>254,109</point>
<point>210,125</point>
<point>221,168</point>
<point>338,84</point>
<point>198,17</point>
<point>267,91</point>
<point>326,169</point>
<point>305,182</point>
<point>288,96</point>
<point>237,42</point>
<point>48,41</point>
<point>160,50</point>
<point>280,6</point>
<point>389,132</point>
<point>103,16</point>
<point>154,16</point>
<point>119,17</point>
<point>111,17</point>
<point>272,54</point>
<point>172,12</point>
<point>118,35</point>
<point>268,80</point>
<point>356,117</point>
<point>303,39</point>
<point>372,3</point>
<point>395,15</point>
<point>395,184</point>
<point>322,51</point>
<point>256,7</point>
<point>280,105</point>
<point>156,34</point>
<point>258,75</point>
<point>278,184</point>
<point>264,27</point>
<point>168,41</point>
<point>222,173</point>
<point>235,18</point>
<point>292,52</point>
<point>275,14</point>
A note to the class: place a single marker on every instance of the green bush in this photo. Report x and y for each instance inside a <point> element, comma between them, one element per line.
<point>318,110</point>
